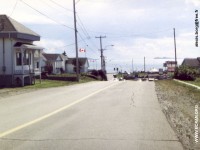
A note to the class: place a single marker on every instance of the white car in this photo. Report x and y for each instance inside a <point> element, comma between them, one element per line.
<point>151,79</point>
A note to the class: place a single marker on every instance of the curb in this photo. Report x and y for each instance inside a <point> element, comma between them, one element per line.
<point>195,86</point>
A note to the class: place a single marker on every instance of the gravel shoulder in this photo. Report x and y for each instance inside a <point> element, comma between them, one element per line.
<point>178,104</point>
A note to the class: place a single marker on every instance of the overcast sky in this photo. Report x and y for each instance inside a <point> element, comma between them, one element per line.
<point>136,28</point>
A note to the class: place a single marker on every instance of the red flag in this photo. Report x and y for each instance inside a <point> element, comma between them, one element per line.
<point>82,50</point>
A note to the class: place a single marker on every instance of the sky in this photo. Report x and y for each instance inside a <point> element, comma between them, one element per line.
<point>136,28</point>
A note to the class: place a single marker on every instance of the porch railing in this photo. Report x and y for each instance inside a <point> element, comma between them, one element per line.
<point>31,71</point>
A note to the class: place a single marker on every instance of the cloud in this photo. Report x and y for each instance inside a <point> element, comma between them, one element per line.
<point>136,28</point>
<point>51,45</point>
<point>195,3</point>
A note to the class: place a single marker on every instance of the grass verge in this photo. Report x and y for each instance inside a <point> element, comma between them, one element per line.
<point>196,82</point>
<point>178,104</point>
<point>5,92</point>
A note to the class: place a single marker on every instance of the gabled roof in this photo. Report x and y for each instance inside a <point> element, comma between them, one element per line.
<point>27,46</point>
<point>11,28</point>
<point>52,57</point>
<point>191,62</point>
<point>170,62</point>
<point>81,60</point>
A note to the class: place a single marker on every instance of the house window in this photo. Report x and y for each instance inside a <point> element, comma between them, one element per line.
<point>26,58</point>
<point>18,59</point>
<point>37,64</point>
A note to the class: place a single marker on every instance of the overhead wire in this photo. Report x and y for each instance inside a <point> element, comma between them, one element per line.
<point>14,7</point>
<point>41,13</point>
<point>61,6</point>
<point>46,15</point>
<point>116,35</point>
<point>85,31</point>
<point>86,43</point>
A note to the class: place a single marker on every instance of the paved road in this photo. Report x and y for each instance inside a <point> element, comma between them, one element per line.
<point>109,115</point>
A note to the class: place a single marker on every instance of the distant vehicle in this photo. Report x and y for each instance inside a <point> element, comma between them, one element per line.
<point>151,79</point>
<point>144,79</point>
<point>121,79</point>
<point>153,75</point>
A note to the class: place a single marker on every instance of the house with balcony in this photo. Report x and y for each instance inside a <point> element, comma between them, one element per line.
<point>170,66</point>
<point>17,52</point>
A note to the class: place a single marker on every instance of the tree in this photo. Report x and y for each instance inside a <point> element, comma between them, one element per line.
<point>185,73</point>
<point>64,53</point>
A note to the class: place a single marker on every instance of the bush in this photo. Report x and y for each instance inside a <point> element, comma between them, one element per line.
<point>102,74</point>
<point>185,73</point>
<point>95,73</point>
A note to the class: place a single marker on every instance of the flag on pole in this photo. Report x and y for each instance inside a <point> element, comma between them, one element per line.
<point>82,50</point>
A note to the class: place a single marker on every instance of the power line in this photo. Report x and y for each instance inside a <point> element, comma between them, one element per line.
<point>116,35</point>
<point>77,1</point>
<point>14,7</point>
<point>61,6</point>
<point>46,15</point>
<point>83,28</point>
<point>87,44</point>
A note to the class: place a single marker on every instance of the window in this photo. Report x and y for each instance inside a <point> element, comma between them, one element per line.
<point>26,58</point>
<point>38,65</point>
<point>18,59</point>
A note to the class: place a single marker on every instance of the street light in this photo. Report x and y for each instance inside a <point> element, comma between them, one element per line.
<point>107,46</point>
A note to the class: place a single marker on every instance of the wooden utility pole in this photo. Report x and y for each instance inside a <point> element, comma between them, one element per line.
<point>76,41</point>
<point>101,49</point>
<point>144,65</point>
<point>175,47</point>
<point>132,65</point>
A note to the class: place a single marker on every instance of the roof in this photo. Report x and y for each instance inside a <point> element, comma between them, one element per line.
<point>170,62</point>
<point>27,46</point>
<point>51,57</point>
<point>11,28</point>
<point>81,60</point>
<point>191,62</point>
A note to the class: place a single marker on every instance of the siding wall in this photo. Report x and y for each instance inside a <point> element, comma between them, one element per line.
<point>8,45</point>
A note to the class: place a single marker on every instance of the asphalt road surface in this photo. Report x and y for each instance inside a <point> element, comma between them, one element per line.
<point>110,115</point>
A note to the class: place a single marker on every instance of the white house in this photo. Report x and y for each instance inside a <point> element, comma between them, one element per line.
<point>17,52</point>
<point>56,61</point>
<point>83,62</point>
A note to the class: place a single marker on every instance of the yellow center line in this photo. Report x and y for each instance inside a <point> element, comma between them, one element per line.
<point>51,114</point>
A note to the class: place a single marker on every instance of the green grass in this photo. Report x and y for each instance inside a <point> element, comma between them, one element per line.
<point>44,84</point>
<point>49,83</point>
<point>54,83</point>
<point>64,75</point>
<point>171,85</point>
<point>196,82</point>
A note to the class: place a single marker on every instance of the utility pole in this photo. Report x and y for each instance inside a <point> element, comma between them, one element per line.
<point>175,47</point>
<point>76,41</point>
<point>132,65</point>
<point>144,65</point>
<point>101,49</point>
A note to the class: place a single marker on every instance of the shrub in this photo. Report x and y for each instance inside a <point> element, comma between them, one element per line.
<point>102,74</point>
<point>185,73</point>
<point>95,73</point>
